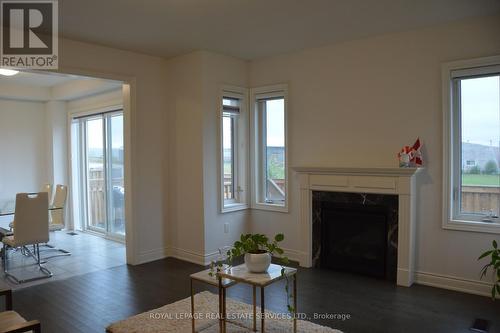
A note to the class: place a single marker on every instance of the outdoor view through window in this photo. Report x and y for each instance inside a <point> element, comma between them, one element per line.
<point>231,110</point>
<point>479,103</point>
<point>274,149</point>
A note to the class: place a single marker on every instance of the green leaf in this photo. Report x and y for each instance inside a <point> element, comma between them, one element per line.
<point>495,244</point>
<point>485,254</point>
<point>493,292</point>
<point>279,251</point>
<point>279,237</point>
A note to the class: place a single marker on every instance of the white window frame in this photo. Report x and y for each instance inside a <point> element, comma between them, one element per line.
<point>451,154</point>
<point>240,158</point>
<point>279,90</point>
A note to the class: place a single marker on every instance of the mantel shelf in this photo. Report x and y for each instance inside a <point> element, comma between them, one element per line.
<point>358,171</point>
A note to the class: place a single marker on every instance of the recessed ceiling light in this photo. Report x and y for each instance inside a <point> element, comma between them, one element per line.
<point>8,72</point>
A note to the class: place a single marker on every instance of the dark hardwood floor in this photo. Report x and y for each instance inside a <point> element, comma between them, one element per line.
<point>90,302</point>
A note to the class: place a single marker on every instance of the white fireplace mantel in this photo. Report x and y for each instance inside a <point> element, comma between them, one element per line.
<point>397,181</point>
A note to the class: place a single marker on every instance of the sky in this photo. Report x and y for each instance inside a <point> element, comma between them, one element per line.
<point>95,135</point>
<point>275,121</point>
<point>481,110</point>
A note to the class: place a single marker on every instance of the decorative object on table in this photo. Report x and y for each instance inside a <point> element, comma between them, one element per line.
<point>257,250</point>
<point>494,263</point>
<point>411,156</point>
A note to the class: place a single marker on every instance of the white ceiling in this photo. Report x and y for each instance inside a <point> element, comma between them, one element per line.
<point>37,86</point>
<point>251,29</point>
<point>38,79</point>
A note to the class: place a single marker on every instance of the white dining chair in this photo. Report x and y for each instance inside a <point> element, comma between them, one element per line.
<point>49,189</point>
<point>31,227</point>
<point>57,220</point>
<point>45,188</point>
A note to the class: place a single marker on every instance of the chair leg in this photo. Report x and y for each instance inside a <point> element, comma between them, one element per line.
<point>4,258</point>
<point>53,248</point>
<point>36,255</point>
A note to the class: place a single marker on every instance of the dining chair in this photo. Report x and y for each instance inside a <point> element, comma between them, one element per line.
<point>13,322</point>
<point>57,220</point>
<point>45,188</point>
<point>49,189</point>
<point>31,227</point>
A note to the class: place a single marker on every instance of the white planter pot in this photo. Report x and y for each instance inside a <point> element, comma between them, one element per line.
<point>257,263</point>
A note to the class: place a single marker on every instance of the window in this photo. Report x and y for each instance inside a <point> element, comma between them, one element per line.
<point>233,126</point>
<point>270,149</point>
<point>472,127</point>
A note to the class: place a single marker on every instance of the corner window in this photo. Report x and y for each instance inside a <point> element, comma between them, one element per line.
<point>270,149</point>
<point>472,126</point>
<point>233,149</point>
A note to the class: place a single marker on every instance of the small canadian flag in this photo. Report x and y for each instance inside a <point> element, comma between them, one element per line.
<point>411,155</point>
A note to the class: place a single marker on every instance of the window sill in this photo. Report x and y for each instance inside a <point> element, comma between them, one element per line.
<point>233,207</point>
<point>270,207</point>
<point>485,227</point>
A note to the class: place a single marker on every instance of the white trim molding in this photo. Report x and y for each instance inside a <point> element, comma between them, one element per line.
<point>256,163</point>
<point>191,256</point>
<point>452,217</point>
<point>475,287</point>
<point>398,181</point>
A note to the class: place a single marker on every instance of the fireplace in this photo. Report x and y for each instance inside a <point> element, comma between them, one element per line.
<point>356,232</point>
<point>399,185</point>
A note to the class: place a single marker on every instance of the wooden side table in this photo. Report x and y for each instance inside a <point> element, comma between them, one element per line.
<point>241,274</point>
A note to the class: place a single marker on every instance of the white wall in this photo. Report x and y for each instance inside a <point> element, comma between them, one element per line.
<point>197,228</point>
<point>218,70</point>
<point>357,103</point>
<point>95,102</point>
<point>23,160</point>
<point>148,146</point>
<point>185,185</point>
<point>57,142</point>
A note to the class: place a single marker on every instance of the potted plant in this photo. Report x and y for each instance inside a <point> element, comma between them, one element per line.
<point>257,250</point>
<point>494,263</point>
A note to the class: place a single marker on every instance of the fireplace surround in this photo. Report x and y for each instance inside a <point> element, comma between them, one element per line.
<point>401,182</point>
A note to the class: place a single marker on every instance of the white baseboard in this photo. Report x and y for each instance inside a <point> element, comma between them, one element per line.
<point>295,255</point>
<point>191,256</point>
<point>152,255</point>
<point>475,287</point>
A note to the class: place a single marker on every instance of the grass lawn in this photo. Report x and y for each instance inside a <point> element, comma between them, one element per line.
<point>481,180</point>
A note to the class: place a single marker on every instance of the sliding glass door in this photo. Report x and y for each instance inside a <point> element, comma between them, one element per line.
<point>98,175</point>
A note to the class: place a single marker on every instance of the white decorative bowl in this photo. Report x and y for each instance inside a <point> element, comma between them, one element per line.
<point>257,262</point>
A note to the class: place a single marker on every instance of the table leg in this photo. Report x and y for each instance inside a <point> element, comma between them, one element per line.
<point>192,308</point>
<point>254,308</point>
<point>295,303</point>
<point>262,309</point>
<point>224,308</point>
<point>221,324</point>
